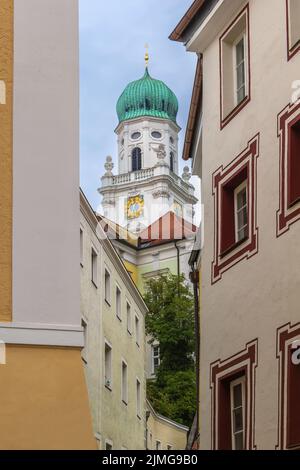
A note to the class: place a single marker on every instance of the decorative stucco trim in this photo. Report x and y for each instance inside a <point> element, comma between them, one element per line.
<point>42,334</point>
<point>6,76</point>
<point>286,334</point>
<point>291,50</point>
<point>286,216</point>
<point>247,159</point>
<point>244,362</point>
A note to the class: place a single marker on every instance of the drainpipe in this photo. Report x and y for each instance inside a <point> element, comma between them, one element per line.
<point>178,267</point>
<point>195,279</point>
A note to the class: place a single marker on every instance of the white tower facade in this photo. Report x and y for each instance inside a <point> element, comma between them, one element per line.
<point>147,184</point>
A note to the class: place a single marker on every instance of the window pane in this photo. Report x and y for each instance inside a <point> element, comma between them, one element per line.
<point>239,441</point>
<point>242,218</point>
<point>240,74</point>
<point>241,94</point>
<point>242,198</point>
<point>238,419</point>
<point>237,396</point>
<point>240,51</point>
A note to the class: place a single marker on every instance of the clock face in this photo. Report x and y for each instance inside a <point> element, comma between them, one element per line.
<point>134,207</point>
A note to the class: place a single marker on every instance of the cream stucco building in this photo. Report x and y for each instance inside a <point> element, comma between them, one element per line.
<point>113,317</point>
<point>164,433</point>
<point>243,136</point>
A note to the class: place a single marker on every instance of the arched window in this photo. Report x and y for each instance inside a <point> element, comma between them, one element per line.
<point>136,159</point>
<point>171,161</point>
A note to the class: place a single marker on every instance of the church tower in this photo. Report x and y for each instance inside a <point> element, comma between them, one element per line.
<point>147,184</point>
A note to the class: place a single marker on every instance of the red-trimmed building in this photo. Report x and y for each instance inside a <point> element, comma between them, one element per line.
<point>243,136</point>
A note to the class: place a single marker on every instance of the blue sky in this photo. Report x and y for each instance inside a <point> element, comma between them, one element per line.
<point>112,38</point>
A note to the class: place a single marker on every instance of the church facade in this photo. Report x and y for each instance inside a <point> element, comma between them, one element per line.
<point>147,184</point>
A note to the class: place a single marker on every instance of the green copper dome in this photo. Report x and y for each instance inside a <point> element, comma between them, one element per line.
<point>147,97</point>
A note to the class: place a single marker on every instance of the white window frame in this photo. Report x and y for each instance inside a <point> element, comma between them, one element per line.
<point>129,317</point>
<point>243,36</point>
<point>110,443</point>
<point>108,379</point>
<point>84,324</point>
<point>137,328</point>
<point>138,398</point>
<point>81,246</point>
<point>158,445</point>
<point>240,188</point>
<point>152,357</point>
<point>119,298</point>
<point>124,393</point>
<point>293,43</point>
<point>241,381</point>
<point>94,266</point>
<point>107,286</point>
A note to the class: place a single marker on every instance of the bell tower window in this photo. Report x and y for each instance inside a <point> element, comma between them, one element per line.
<point>171,161</point>
<point>136,159</point>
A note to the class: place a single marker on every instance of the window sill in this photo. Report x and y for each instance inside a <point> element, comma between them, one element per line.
<point>129,332</point>
<point>124,402</point>
<point>94,284</point>
<point>233,247</point>
<point>226,119</point>
<point>138,416</point>
<point>294,203</point>
<point>119,318</point>
<point>137,345</point>
<point>107,303</point>
<point>81,264</point>
<point>108,388</point>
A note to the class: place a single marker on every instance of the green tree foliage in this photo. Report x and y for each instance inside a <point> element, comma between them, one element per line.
<point>170,321</point>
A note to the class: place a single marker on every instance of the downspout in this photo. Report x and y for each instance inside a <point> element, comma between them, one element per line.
<point>178,267</point>
<point>195,278</point>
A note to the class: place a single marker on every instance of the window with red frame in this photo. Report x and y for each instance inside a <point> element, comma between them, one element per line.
<point>293,16</point>
<point>234,211</point>
<point>294,164</point>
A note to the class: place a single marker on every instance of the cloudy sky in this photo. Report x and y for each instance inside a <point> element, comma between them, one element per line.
<point>112,38</point>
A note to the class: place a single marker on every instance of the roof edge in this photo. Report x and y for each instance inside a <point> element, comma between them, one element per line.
<point>185,21</point>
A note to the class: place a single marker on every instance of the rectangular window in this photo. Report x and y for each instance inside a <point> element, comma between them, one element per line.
<point>155,358</point>
<point>138,398</point>
<point>81,247</point>
<point>241,212</point>
<point>289,159</point>
<point>234,63</point>
<point>240,69</point>
<point>234,210</point>
<point>137,330</point>
<point>293,16</point>
<point>128,311</point>
<point>85,338</point>
<point>158,445</point>
<point>237,400</point>
<point>107,286</point>
<point>108,366</point>
<point>124,383</point>
<point>108,445</point>
<point>294,164</point>
<point>118,303</point>
<point>94,262</point>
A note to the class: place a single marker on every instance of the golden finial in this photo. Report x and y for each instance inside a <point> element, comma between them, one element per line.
<point>146,55</point>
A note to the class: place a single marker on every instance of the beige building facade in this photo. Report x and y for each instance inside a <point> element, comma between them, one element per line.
<point>164,433</point>
<point>243,136</point>
<point>113,318</point>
